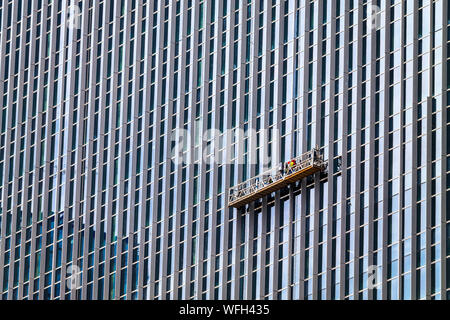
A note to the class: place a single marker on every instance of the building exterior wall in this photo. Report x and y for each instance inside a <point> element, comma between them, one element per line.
<point>98,200</point>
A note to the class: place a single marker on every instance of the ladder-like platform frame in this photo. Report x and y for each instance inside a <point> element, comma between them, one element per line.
<point>273,180</point>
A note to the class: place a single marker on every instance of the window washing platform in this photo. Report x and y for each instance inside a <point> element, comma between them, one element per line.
<point>294,170</point>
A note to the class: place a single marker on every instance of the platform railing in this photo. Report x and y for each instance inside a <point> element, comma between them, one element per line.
<point>312,158</point>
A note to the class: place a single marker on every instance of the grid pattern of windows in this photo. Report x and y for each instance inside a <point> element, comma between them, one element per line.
<point>92,91</point>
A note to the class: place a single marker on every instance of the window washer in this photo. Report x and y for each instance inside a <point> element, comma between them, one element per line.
<point>281,168</point>
<point>292,163</point>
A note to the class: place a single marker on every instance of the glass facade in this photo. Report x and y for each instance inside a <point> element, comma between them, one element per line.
<point>94,205</point>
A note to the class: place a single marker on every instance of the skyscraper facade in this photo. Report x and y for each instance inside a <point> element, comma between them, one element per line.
<point>123,125</point>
